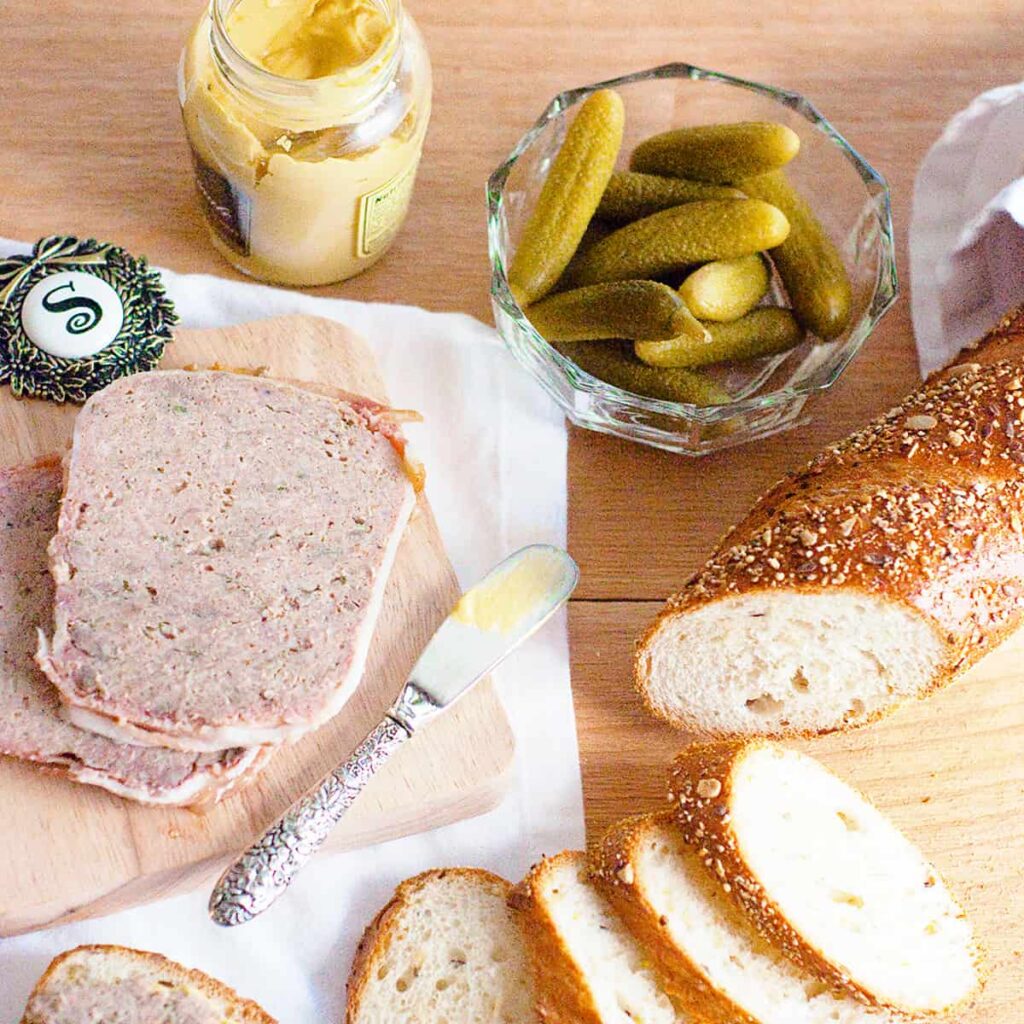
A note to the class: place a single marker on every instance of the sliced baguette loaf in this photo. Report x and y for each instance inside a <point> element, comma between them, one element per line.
<point>882,570</point>
<point>445,948</point>
<point>709,956</point>
<point>117,985</point>
<point>825,876</point>
<point>588,967</point>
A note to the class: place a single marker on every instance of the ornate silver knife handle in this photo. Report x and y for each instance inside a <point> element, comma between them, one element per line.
<point>256,879</point>
<point>491,619</point>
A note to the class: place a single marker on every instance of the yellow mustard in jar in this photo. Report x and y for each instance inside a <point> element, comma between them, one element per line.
<point>306,121</point>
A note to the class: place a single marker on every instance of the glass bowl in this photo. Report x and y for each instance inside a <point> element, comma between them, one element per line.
<point>850,198</point>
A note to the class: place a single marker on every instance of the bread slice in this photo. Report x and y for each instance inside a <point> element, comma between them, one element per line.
<point>445,948</point>
<point>221,557</point>
<point>90,984</point>
<point>825,876</point>
<point>588,967</point>
<point>879,572</point>
<point>708,955</point>
<point>31,725</point>
<point>777,663</point>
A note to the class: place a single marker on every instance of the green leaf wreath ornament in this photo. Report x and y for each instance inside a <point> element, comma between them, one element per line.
<point>76,314</point>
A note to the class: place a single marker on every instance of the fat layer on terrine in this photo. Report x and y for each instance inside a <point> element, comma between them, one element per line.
<point>221,556</point>
<point>30,724</point>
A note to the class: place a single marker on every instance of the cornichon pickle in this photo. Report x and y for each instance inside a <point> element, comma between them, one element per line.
<point>760,333</point>
<point>726,289</point>
<point>725,153</point>
<point>621,309</point>
<point>614,362</point>
<point>630,196</point>
<point>686,325</point>
<point>569,197</point>
<point>808,262</point>
<point>709,229</point>
<point>596,230</point>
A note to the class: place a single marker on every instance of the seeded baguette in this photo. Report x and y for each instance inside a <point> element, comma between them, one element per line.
<point>587,967</point>
<point>881,571</point>
<point>825,877</point>
<point>709,957</point>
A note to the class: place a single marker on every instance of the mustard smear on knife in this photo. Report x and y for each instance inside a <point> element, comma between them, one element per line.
<point>500,604</point>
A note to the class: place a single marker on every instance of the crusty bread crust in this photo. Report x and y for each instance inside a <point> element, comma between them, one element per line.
<point>563,992</point>
<point>247,1011</point>
<point>906,509</point>
<point>682,978</point>
<point>378,934</point>
<point>700,791</point>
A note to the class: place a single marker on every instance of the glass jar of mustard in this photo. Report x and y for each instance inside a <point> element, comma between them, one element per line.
<point>306,121</point>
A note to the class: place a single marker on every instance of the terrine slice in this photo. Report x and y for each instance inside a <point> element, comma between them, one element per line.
<point>221,556</point>
<point>119,985</point>
<point>30,724</point>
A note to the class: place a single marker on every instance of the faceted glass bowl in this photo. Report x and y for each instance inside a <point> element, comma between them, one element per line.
<point>849,197</point>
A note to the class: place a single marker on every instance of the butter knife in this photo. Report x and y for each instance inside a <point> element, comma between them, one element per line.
<point>493,618</point>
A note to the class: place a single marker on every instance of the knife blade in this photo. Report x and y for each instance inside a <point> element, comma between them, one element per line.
<point>489,622</point>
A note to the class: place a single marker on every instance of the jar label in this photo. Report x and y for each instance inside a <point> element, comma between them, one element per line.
<point>228,210</point>
<point>382,211</point>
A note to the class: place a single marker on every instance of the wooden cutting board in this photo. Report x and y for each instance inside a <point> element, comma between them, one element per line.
<point>69,851</point>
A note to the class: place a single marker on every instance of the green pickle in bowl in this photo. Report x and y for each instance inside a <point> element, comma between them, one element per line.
<point>720,153</point>
<point>763,332</point>
<point>709,229</point>
<point>615,363</point>
<point>630,195</point>
<point>808,262</point>
<point>707,208</point>
<point>569,197</point>
<point>617,309</point>
<point>725,290</point>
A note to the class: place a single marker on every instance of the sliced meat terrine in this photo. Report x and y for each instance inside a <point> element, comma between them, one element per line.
<point>30,726</point>
<point>221,556</point>
<point>117,985</point>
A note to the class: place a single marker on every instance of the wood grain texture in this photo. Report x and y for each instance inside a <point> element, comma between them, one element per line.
<point>69,851</point>
<point>98,148</point>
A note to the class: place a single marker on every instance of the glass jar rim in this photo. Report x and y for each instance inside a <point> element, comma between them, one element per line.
<point>350,91</point>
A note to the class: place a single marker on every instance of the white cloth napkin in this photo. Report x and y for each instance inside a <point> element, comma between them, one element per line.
<point>967,227</point>
<point>495,451</point>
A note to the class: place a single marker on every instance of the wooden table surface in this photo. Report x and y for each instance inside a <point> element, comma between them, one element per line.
<point>92,144</point>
